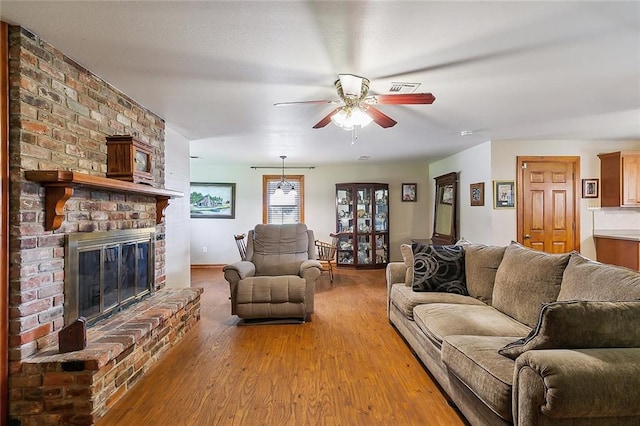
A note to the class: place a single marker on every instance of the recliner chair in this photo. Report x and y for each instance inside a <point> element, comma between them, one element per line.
<point>277,279</point>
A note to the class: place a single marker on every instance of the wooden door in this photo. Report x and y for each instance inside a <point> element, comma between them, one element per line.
<point>548,203</point>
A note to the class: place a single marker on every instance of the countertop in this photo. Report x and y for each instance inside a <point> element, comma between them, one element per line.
<point>618,234</point>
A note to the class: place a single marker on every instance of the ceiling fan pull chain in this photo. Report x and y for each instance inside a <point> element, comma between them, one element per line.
<point>354,135</point>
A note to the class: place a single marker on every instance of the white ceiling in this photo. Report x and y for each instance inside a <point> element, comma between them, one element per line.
<point>214,69</point>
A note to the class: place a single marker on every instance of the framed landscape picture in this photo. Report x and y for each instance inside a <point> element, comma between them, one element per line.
<point>504,194</point>
<point>212,200</point>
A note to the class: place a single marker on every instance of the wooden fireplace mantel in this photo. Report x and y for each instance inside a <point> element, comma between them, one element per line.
<point>59,185</point>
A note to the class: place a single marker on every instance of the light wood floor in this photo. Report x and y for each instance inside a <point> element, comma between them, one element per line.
<point>348,366</point>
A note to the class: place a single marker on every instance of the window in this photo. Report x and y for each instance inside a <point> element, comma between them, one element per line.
<point>286,210</point>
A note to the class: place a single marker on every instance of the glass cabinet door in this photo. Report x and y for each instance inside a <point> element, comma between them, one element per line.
<point>382,248</point>
<point>344,211</point>
<point>381,225</point>
<point>364,226</point>
<point>344,225</point>
<point>381,210</point>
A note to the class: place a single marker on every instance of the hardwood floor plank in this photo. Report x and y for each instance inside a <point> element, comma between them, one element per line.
<point>347,366</point>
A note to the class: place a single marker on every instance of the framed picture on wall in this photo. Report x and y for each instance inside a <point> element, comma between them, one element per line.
<point>476,194</point>
<point>410,192</point>
<point>446,195</point>
<point>212,200</point>
<point>504,194</point>
<point>590,188</point>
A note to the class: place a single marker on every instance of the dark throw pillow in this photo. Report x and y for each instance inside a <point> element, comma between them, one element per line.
<point>580,325</point>
<point>438,268</point>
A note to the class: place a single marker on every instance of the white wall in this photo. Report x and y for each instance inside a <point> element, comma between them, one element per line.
<point>472,166</point>
<point>483,163</point>
<point>177,213</point>
<point>502,165</point>
<point>407,220</point>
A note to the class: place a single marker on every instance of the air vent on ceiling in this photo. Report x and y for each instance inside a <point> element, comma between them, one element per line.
<point>403,87</point>
<point>363,158</point>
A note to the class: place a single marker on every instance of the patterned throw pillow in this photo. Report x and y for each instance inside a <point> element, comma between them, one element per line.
<point>438,268</point>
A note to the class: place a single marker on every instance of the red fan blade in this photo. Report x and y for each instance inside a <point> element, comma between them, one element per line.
<point>326,120</point>
<point>396,99</point>
<point>306,102</point>
<point>382,119</point>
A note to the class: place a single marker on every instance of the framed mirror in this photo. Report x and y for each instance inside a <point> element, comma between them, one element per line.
<point>446,207</point>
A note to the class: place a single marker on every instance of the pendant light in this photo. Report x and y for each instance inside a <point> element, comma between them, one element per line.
<point>279,197</point>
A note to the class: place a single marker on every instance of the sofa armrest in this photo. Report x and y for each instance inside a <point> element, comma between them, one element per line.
<point>310,270</point>
<point>554,384</point>
<point>395,273</point>
<point>310,265</point>
<point>235,272</point>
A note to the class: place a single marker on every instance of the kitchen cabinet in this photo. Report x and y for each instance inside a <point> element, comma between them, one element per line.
<point>620,248</point>
<point>620,179</point>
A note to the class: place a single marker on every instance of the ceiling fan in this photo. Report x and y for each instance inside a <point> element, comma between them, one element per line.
<point>356,105</point>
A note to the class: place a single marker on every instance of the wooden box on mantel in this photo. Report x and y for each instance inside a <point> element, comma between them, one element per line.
<point>129,159</point>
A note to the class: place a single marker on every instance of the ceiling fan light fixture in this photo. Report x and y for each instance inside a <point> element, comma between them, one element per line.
<point>361,118</point>
<point>357,107</point>
<point>351,85</point>
<point>348,118</point>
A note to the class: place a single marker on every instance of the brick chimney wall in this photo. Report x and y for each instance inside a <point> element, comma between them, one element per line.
<point>60,114</point>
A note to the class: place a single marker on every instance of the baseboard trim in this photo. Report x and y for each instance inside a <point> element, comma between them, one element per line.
<point>209,266</point>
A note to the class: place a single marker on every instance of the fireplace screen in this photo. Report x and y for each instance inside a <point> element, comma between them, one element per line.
<point>106,271</point>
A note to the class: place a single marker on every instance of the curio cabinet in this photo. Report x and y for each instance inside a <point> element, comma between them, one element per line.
<point>362,225</point>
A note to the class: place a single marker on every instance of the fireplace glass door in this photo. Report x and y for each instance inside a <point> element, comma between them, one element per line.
<point>107,273</point>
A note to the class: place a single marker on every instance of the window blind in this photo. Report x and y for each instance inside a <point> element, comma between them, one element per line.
<point>286,209</point>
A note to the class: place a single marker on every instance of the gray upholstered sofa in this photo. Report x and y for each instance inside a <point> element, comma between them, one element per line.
<point>541,339</point>
<point>277,278</point>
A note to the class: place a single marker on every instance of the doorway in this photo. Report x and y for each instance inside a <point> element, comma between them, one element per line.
<point>548,203</point>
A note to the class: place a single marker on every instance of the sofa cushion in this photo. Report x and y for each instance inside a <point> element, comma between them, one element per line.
<point>581,325</point>
<point>439,320</point>
<point>405,299</point>
<point>271,297</point>
<point>278,249</point>
<point>480,267</point>
<point>407,257</point>
<point>438,268</point>
<point>585,279</point>
<point>475,362</point>
<point>525,280</point>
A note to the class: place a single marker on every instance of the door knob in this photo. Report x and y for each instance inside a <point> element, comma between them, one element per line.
<point>527,236</point>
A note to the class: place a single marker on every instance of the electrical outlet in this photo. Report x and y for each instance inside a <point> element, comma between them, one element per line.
<point>204,249</point>
<point>593,205</point>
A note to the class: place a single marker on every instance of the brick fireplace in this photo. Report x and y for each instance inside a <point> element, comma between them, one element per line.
<point>60,115</point>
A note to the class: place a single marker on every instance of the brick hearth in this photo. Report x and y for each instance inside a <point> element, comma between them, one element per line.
<point>79,387</point>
